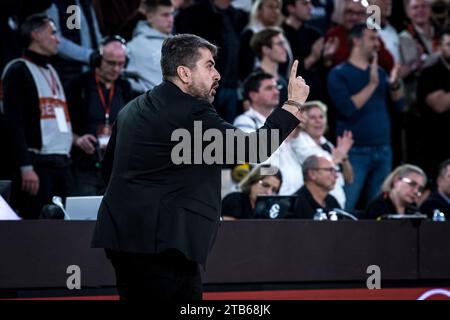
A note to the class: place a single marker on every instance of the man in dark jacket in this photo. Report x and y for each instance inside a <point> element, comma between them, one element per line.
<point>440,198</point>
<point>36,121</point>
<point>95,98</point>
<point>221,24</point>
<point>319,174</point>
<point>159,216</point>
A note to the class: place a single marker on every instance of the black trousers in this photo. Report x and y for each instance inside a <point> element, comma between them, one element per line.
<point>166,276</point>
<point>87,182</point>
<point>55,179</point>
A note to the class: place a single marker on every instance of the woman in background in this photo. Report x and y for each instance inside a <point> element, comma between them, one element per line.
<point>262,180</point>
<point>400,192</point>
<point>311,141</point>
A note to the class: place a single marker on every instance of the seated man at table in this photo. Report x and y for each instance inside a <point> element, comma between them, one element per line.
<point>320,175</point>
<point>440,198</point>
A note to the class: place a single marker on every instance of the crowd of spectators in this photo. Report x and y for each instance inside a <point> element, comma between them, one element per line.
<point>379,98</point>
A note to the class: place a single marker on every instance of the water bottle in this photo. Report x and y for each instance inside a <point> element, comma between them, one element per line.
<point>333,216</point>
<point>438,215</point>
<point>320,215</point>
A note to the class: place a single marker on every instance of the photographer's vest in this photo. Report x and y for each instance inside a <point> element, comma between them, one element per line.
<point>56,130</point>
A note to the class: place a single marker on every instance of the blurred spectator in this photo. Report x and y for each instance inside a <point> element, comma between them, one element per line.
<point>434,102</point>
<point>387,32</point>
<point>12,14</point>
<point>245,5</point>
<point>440,14</point>
<point>399,19</point>
<point>418,45</point>
<point>264,13</point>
<point>145,47</point>
<point>311,141</point>
<point>400,192</point>
<point>320,176</point>
<point>77,45</point>
<point>218,22</point>
<point>180,5</point>
<point>118,17</point>
<point>262,92</point>
<point>241,205</point>
<point>440,198</point>
<point>269,46</point>
<point>360,90</point>
<point>391,39</point>
<point>308,45</point>
<point>352,13</point>
<point>321,14</point>
<point>95,99</point>
<point>37,120</point>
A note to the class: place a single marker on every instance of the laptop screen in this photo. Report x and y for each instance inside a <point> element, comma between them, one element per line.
<point>83,208</point>
<point>274,207</point>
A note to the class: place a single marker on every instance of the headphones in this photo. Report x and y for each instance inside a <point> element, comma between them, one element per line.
<point>97,56</point>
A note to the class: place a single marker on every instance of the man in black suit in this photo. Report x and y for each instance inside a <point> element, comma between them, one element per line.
<point>158,219</point>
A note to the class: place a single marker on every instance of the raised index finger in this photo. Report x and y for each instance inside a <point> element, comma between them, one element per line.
<point>375,59</point>
<point>293,71</point>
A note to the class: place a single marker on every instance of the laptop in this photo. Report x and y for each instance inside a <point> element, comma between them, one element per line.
<point>82,208</point>
<point>274,207</point>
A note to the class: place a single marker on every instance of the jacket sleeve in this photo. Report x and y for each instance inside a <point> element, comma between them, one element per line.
<point>16,106</point>
<point>238,146</point>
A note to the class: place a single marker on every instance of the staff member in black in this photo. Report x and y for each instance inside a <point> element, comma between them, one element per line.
<point>37,123</point>
<point>95,98</point>
<point>158,220</point>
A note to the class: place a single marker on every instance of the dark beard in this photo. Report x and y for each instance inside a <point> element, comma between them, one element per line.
<point>199,95</point>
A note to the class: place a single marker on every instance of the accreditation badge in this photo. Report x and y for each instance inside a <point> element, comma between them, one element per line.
<point>103,134</point>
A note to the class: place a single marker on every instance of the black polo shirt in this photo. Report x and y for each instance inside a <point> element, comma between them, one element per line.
<point>306,205</point>
<point>237,205</point>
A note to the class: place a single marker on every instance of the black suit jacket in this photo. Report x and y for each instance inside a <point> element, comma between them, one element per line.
<point>150,203</point>
<point>433,202</point>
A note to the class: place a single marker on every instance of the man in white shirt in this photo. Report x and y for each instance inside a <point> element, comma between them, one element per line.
<point>262,91</point>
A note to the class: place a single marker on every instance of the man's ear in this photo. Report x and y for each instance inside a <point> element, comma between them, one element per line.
<point>265,50</point>
<point>184,73</point>
<point>34,35</point>
<point>251,96</point>
<point>149,17</point>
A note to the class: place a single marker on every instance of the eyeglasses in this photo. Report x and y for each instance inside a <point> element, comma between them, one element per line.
<point>413,184</point>
<point>115,63</point>
<point>330,169</point>
<point>279,43</point>
<point>267,185</point>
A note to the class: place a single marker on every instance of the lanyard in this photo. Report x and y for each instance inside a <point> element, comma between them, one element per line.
<point>52,82</point>
<point>105,106</point>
